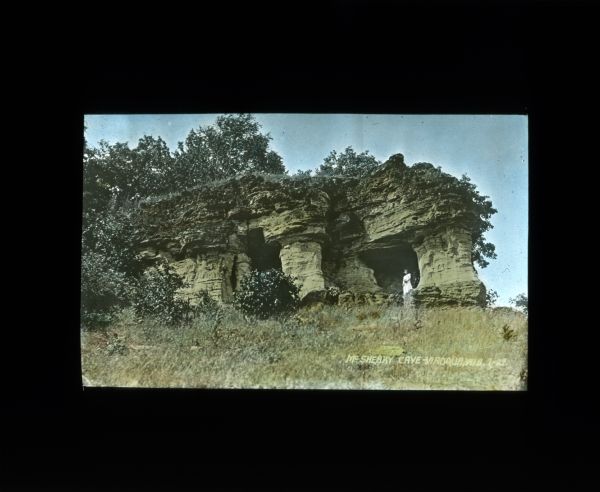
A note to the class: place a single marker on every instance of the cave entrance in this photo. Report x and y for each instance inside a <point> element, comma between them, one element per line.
<point>388,264</point>
<point>263,256</point>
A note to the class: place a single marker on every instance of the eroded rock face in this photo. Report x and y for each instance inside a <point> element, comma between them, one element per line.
<point>355,235</point>
<point>303,261</point>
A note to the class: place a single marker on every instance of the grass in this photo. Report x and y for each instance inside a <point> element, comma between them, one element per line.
<point>324,347</point>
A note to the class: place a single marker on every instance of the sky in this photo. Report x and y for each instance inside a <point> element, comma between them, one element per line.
<point>491,149</point>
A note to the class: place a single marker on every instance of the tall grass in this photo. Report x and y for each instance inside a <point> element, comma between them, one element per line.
<point>323,347</point>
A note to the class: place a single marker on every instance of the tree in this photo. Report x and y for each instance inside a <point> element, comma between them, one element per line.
<point>116,174</point>
<point>520,302</point>
<point>484,209</point>
<point>108,264</point>
<point>103,289</point>
<point>108,261</point>
<point>348,163</point>
<point>152,167</point>
<point>98,178</point>
<point>424,179</point>
<point>110,235</point>
<point>234,145</point>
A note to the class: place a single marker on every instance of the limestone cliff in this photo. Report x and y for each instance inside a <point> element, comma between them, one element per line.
<point>357,235</point>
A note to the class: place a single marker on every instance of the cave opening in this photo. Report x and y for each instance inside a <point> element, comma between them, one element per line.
<point>388,265</point>
<point>263,256</point>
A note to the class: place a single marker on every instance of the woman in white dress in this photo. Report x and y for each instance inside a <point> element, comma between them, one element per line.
<point>406,283</point>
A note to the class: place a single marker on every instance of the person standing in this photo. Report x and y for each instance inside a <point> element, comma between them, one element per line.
<point>406,283</point>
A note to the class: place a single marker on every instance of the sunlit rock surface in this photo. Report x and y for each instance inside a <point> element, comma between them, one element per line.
<point>357,235</point>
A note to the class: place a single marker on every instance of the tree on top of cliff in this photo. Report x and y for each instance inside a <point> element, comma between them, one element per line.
<point>426,178</point>
<point>116,174</point>
<point>348,163</point>
<point>233,145</point>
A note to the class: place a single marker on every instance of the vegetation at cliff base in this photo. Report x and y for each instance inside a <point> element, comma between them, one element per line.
<point>268,293</point>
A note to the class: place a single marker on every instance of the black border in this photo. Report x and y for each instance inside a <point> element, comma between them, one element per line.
<point>377,57</point>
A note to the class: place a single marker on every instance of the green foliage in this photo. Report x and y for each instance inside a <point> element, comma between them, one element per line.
<point>155,295</point>
<point>108,264</point>
<point>232,146</point>
<point>267,293</point>
<point>484,210</point>
<point>332,294</point>
<point>116,178</point>
<point>109,234</point>
<point>115,175</point>
<point>520,302</point>
<point>103,290</point>
<point>97,178</point>
<point>348,163</point>
<point>209,311</point>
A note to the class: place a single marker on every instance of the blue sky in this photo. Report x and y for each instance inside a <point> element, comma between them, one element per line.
<point>491,149</point>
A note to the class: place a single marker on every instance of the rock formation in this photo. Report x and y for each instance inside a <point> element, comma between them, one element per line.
<point>357,235</point>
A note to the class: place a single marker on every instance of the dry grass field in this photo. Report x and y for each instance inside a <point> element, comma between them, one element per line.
<point>367,347</point>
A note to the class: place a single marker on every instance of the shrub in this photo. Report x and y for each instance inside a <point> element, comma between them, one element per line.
<point>348,163</point>
<point>267,293</point>
<point>103,290</point>
<point>108,265</point>
<point>156,295</point>
<point>508,333</point>
<point>332,294</point>
<point>520,302</point>
<point>209,310</point>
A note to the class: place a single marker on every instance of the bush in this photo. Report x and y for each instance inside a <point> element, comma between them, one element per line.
<point>155,295</point>
<point>267,293</point>
<point>348,163</point>
<point>108,265</point>
<point>520,302</point>
<point>209,310</point>
<point>103,290</point>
